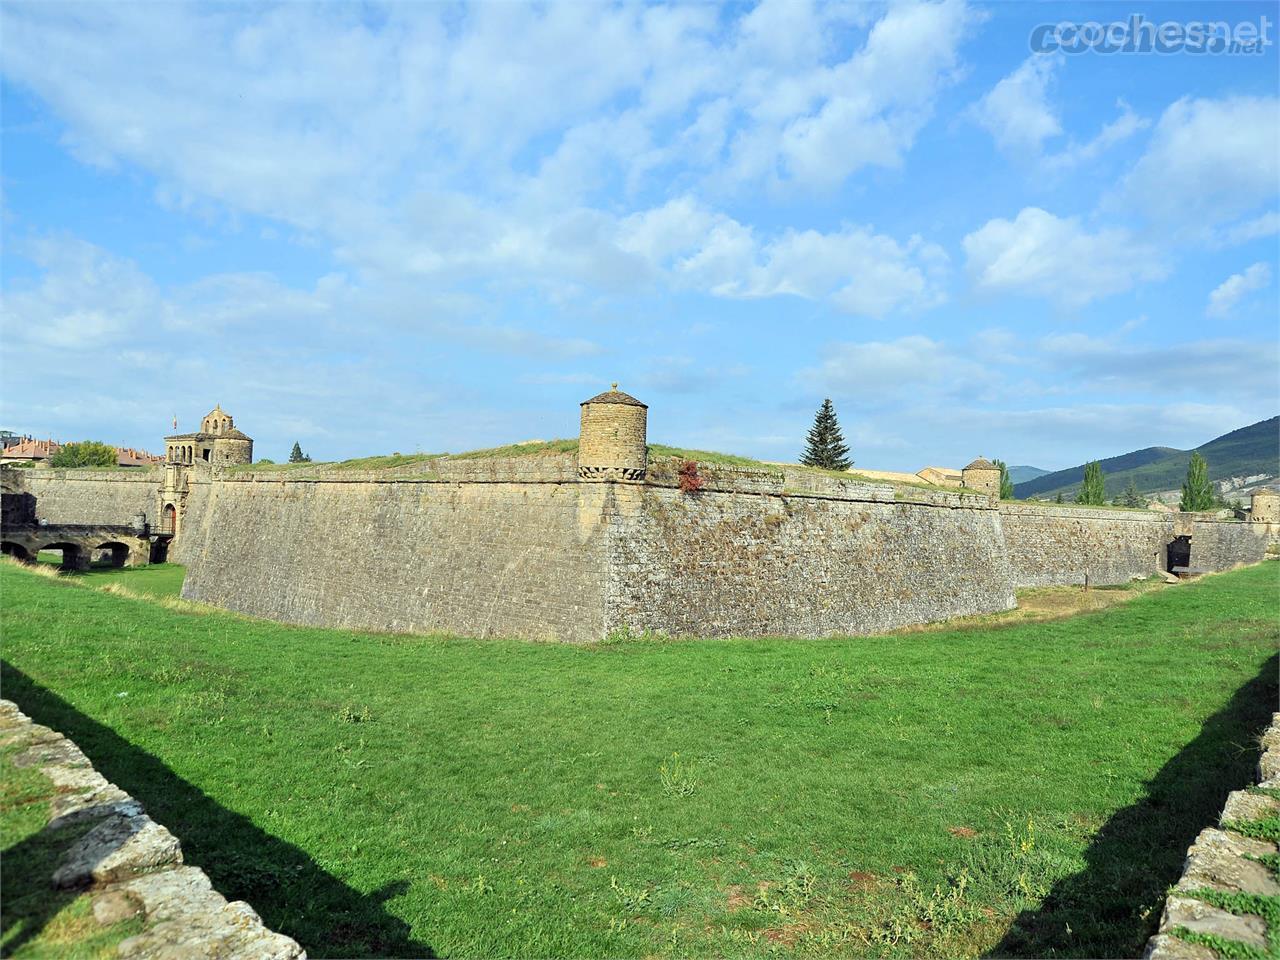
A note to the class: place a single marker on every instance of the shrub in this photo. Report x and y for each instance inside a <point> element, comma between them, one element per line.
<point>88,453</point>
<point>690,481</point>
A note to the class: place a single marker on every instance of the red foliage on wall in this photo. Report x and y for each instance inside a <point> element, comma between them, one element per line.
<point>690,482</point>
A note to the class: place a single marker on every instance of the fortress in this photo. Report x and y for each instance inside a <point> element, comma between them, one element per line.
<point>579,545</point>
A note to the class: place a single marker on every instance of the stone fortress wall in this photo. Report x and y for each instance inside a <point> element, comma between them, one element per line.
<point>108,497</point>
<point>541,547</point>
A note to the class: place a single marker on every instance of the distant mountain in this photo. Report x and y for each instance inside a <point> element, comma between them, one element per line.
<point>1249,451</point>
<point>1023,474</point>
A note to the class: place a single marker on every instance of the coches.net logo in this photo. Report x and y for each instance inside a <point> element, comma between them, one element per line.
<point>1137,34</point>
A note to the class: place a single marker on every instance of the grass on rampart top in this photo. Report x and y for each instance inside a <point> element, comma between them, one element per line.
<point>1027,790</point>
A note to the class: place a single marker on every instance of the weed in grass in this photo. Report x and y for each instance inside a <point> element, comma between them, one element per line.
<point>632,900</point>
<point>678,777</point>
<point>354,714</point>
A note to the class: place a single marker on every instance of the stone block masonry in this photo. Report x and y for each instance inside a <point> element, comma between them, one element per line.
<point>575,561</point>
<point>1059,545</point>
<point>107,497</point>
<point>479,559</point>
<point>524,546</point>
<point>1234,858</point>
<point>131,865</point>
<point>721,564</point>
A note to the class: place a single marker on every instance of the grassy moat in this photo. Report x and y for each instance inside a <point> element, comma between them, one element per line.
<point>1015,787</point>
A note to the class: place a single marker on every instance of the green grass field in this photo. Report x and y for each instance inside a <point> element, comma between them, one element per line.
<point>1025,789</point>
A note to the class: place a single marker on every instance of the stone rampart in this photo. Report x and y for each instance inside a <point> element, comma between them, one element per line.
<point>111,497</point>
<point>130,865</point>
<point>1225,861</point>
<point>1053,545</point>
<point>480,559</point>
<point>1223,544</point>
<point>518,546</point>
<point>720,564</point>
<point>574,561</point>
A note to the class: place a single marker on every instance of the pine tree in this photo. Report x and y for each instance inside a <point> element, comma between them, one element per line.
<point>826,447</point>
<point>1006,485</point>
<point>1093,490</point>
<point>296,455</point>
<point>1197,492</point>
<point>1131,496</point>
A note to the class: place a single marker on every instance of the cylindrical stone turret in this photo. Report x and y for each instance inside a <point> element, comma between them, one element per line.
<point>1264,505</point>
<point>234,447</point>
<point>612,444</point>
<point>981,476</point>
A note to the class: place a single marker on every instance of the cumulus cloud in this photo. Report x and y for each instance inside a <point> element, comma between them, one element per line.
<point>1016,111</point>
<point>857,270</point>
<point>1209,163</point>
<point>904,365</point>
<point>1039,254</point>
<point>424,139</point>
<point>1117,131</point>
<point>1223,299</point>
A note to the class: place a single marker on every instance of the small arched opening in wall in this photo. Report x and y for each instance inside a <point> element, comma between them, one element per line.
<point>110,554</point>
<point>68,556</point>
<point>159,552</point>
<point>17,551</point>
<point>169,520</point>
<point>1178,553</point>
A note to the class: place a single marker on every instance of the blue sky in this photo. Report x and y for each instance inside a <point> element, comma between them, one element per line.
<point>436,227</point>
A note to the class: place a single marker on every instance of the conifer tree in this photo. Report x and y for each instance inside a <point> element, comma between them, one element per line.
<point>1131,497</point>
<point>1197,492</point>
<point>1093,490</point>
<point>1006,485</point>
<point>1058,499</point>
<point>296,455</point>
<point>826,447</point>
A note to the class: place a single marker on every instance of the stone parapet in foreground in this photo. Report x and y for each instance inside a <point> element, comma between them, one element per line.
<point>130,864</point>
<point>1229,861</point>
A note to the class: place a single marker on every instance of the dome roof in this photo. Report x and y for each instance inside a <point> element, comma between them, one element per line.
<point>982,463</point>
<point>614,395</point>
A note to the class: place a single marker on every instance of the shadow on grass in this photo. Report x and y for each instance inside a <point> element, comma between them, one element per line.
<point>288,889</point>
<point>1113,906</point>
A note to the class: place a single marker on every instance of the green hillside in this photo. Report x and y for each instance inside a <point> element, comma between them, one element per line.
<point>1250,450</point>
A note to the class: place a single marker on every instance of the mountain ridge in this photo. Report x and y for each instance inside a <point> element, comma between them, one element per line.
<point>1247,451</point>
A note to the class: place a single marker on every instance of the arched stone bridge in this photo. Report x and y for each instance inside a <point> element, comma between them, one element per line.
<point>82,544</point>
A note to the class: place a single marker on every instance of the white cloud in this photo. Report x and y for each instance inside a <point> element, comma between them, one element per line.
<point>1039,254</point>
<point>1117,131</point>
<point>86,298</point>
<point>895,367</point>
<point>1264,225</point>
<point>335,123</point>
<point>1225,297</point>
<point>1209,163</point>
<point>854,268</point>
<point>1016,111</point>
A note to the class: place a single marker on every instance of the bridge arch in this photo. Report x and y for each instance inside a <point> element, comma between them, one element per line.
<point>111,554</point>
<point>16,550</point>
<point>73,555</point>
